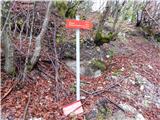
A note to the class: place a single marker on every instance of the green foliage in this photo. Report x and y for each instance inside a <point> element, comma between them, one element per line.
<point>98,64</point>
<point>103,112</point>
<point>117,72</point>
<point>66,8</point>
<point>73,88</point>
<point>60,38</point>
<point>61,6</point>
<point>110,53</point>
<point>157,37</point>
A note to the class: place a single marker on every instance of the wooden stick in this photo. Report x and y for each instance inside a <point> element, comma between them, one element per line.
<point>26,108</point>
<point>9,91</point>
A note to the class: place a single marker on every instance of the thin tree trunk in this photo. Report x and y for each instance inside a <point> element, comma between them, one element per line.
<point>38,40</point>
<point>6,41</point>
<point>116,16</point>
<point>103,17</point>
<point>9,52</point>
<point>118,11</point>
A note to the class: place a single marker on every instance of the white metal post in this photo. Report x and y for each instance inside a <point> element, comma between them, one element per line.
<point>77,61</point>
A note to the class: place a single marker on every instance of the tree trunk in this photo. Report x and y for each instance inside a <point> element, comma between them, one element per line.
<point>9,53</point>
<point>103,17</point>
<point>118,11</point>
<point>5,38</point>
<point>38,40</point>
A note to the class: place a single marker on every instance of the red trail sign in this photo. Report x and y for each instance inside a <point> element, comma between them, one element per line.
<point>78,24</point>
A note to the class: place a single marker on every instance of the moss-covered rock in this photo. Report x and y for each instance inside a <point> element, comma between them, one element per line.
<point>98,64</point>
<point>102,38</point>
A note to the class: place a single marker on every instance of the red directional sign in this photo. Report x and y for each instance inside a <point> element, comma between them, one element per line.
<point>78,24</point>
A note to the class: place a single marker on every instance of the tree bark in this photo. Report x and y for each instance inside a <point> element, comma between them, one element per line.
<point>103,17</point>
<point>9,52</point>
<point>38,40</point>
<point>6,40</point>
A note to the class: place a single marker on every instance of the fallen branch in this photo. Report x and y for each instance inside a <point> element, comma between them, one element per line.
<point>26,108</point>
<point>9,91</point>
<point>114,103</point>
<point>99,91</point>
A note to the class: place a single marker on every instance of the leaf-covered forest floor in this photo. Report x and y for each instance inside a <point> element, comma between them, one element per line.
<point>133,79</point>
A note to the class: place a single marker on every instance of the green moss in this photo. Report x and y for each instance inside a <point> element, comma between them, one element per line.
<point>102,38</point>
<point>13,72</point>
<point>110,53</point>
<point>62,7</point>
<point>103,112</point>
<point>73,88</point>
<point>66,10</point>
<point>148,30</point>
<point>29,66</point>
<point>157,37</point>
<point>117,73</point>
<point>98,64</point>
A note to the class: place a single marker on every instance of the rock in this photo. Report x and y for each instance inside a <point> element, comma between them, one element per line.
<point>100,111</point>
<point>85,69</point>
<point>92,114</point>
<point>140,80</point>
<point>127,94</point>
<point>150,67</point>
<point>98,64</point>
<point>119,115</point>
<point>151,91</point>
<point>72,65</point>
<point>83,97</point>
<point>97,73</point>
<point>129,108</point>
<point>139,117</point>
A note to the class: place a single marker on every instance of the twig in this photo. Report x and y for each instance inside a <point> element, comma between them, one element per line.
<point>26,108</point>
<point>29,46</point>
<point>151,17</point>
<point>114,104</point>
<point>48,75</point>
<point>98,92</point>
<point>66,67</point>
<point>9,91</point>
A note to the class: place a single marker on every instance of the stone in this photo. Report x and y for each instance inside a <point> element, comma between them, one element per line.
<point>85,68</point>
<point>127,108</point>
<point>97,73</point>
<point>139,117</point>
<point>72,65</point>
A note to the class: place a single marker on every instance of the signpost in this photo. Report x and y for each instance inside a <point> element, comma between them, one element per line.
<point>77,24</point>
<point>77,62</point>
